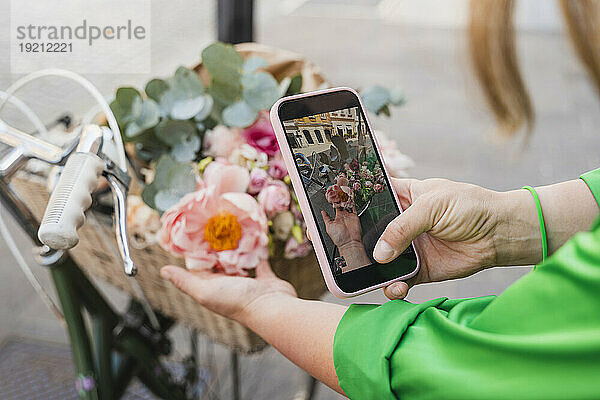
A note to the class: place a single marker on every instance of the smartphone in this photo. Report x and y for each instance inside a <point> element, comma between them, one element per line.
<point>343,188</point>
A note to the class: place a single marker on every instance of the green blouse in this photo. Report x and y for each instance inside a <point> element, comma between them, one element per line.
<point>540,339</point>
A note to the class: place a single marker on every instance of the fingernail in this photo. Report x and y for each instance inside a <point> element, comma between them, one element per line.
<point>383,251</point>
<point>164,272</point>
<point>396,291</point>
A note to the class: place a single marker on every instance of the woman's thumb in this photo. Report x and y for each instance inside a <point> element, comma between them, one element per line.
<point>402,231</point>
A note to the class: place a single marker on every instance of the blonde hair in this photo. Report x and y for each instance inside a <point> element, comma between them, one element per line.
<point>494,56</point>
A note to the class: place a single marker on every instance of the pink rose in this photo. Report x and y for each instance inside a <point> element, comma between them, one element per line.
<point>378,188</point>
<point>341,180</point>
<point>356,186</point>
<point>340,196</point>
<point>226,177</point>
<point>261,135</point>
<point>258,180</point>
<point>277,169</point>
<point>368,183</point>
<point>275,198</point>
<point>221,141</point>
<point>213,230</point>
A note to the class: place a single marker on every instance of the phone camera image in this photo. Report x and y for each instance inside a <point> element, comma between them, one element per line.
<point>345,183</point>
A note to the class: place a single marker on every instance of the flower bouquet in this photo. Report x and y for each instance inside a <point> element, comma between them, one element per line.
<point>212,167</point>
<point>210,186</point>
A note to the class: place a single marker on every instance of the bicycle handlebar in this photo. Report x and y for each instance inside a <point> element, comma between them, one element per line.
<point>71,197</point>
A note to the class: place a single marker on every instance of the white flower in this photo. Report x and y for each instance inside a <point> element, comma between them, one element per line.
<point>248,157</point>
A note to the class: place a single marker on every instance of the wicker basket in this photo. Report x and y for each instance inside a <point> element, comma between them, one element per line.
<point>96,252</point>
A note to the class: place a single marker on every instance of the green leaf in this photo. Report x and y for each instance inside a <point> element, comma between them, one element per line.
<point>173,132</point>
<point>186,83</point>
<point>385,110</point>
<point>166,198</point>
<point>375,98</point>
<point>127,105</point>
<point>148,118</point>
<point>295,85</point>
<point>162,169</point>
<point>226,92</point>
<point>260,90</point>
<point>186,149</point>
<point>239,114</point>
<point>397,96</point>
<point>188,108</point>
<point>172,181</point>
<point>156,88</point>
<point>223,62</point>
<point>148,195</point>
<point>253,63</point>
<point>205,110</point>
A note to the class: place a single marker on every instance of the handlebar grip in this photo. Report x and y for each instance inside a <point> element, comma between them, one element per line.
<point>71,197</point>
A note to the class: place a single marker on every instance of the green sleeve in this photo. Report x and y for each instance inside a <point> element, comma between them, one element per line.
<point>540,339</point>
<point>592,179</point>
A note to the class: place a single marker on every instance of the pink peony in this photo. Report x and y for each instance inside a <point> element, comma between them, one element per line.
<point>378,188</point>
<point>221,141</point>
<point>226,177</point>
<point>277,169</point>
<point>275,198</point>
<point>261,135</point>
<point>214,230</point>
<point>340,196</point>
<point>258,180</point>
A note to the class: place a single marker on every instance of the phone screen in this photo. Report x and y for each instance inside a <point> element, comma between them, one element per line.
<point>348,191</point>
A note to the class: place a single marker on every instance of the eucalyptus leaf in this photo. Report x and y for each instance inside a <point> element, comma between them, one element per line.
<point>173,132</point>
<point>186,149</point>
<point>295,85</point>
<point>239,114</point>
<point>172,181</point>
<point>226,92</point>
<point>156,88</point>
<point>223,62</point>
<point>127,105</point>
<point>375,98</point>
<point>166,198</point>
<point>167,100</point>
<point>260,90</point>
<point>253,63</point>
<point>188,108</point>
<point>397,96</point>
<point>148,118</point>
<point>182,178</point>
<point>186,83</point>
<point>148,195</point>
<point>206,109</point>
<point>161,170</point>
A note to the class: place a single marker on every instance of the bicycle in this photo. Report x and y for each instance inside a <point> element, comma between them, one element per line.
<point>122,346</point>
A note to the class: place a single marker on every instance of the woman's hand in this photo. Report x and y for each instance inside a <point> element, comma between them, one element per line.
<point>230,296</point>
<point>301,330</point>
<point>458,229</point>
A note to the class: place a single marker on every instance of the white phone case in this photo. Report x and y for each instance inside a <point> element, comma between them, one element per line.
<point>309,218</point>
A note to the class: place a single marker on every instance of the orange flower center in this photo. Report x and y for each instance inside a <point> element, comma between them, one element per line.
<point>223,232</point>
<point>343,195</point>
